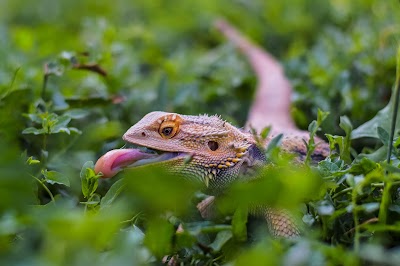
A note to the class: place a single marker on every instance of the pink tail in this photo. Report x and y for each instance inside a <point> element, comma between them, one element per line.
<point>271,106</point>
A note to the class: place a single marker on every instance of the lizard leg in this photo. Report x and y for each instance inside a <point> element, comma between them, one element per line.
<point>281,223</point>
<point>206,207</point>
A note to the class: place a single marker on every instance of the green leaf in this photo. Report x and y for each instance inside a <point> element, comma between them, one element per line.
<point>363,166</point>
<point>54,177</point>
<point>185,239</point>
<point>274,143</point>
<point>94,200</point>
<point>221,239</point>
<point>89,179</point>
<point>396,142</point>
<point>77,113</point>
<point>158,189</point>
<point>326,167</point>
<point>60,125</point>
<point>313,126</point>
<point>265,132</point>
<point>239,221</point>
<point>158,237</point>
<point>197,228</point>
<point>17,190</point>
<point>382,119</point>
<point>88,164</point>
<point>378,155</point>
<point>63,130</point>
<point>12,105</point>
<point>383,135</point>
<point>35,118</point>
<point>48,121</point>
<point>346,125</point>
<point>321,116</point>
<point>35,131</point>
<point>31,161</point>
<point>343,143</point>
<point>74,130</point>
<point>112,193</point>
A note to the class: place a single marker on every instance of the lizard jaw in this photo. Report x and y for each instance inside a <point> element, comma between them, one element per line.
<point>116,160</point>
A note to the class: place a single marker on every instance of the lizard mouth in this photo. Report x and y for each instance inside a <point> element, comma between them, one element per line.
<point>116,160</point>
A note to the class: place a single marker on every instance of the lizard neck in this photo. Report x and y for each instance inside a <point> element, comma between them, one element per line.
<point>251,162</point>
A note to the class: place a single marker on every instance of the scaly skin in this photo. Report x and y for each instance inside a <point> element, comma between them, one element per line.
<point>207,149</point>
<point>211,150</point>
<point>218,151</point>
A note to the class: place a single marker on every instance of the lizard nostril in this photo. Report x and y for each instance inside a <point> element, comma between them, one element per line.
<point>213,145</point>
<point>143,134</point>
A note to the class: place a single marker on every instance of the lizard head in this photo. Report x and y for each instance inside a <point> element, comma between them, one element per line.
<point>202,147</point>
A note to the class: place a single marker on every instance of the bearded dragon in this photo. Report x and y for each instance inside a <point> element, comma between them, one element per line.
<point>219,152</point>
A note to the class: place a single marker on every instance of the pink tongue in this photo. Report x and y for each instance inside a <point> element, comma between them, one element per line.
<point>113,161</point>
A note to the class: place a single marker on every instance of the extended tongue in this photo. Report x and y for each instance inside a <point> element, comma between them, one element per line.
<point>115,160</point>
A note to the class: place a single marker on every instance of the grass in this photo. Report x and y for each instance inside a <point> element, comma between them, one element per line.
<point>75,75</point>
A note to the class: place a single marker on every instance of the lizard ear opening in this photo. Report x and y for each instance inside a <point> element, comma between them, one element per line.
<point>168,129</point>
<point>213,145</point>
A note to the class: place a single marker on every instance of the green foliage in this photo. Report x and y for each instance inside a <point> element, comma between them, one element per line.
<point>342,143</point>
<point>313,128</point>
<point>54,177</point>
<point>89,180</point>
<point>51,124</point>
<point>76,74</point>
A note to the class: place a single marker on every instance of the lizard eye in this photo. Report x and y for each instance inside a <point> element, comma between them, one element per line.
<point>213,145</point>
<point>168,129</point>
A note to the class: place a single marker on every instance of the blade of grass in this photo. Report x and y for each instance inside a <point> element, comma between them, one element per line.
<point>395,107</point>
<point>387,183</point>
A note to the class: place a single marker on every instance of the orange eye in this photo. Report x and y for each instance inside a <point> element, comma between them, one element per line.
<point>168,129</point>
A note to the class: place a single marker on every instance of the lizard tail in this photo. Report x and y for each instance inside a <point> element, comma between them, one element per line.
<point>271,106</point>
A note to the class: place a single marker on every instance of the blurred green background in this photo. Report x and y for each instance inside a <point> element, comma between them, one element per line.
<point>160,55</point>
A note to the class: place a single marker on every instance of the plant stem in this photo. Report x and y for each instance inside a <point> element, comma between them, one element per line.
<point>395,107</point>
<point>45,188</point>
<point>342,192</point>
<point>43,158</point>
<point>310,148</point>
<point>388,182</point>
<point>385,201</point>
<point>133,220</point>
<point>356,222</point>
<point>383,185</point>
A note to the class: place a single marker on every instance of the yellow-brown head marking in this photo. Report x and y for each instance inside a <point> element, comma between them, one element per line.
<point>170,126</point>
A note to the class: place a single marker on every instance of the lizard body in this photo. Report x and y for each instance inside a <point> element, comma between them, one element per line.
<point>206,149</point>
<point>210,150</point>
